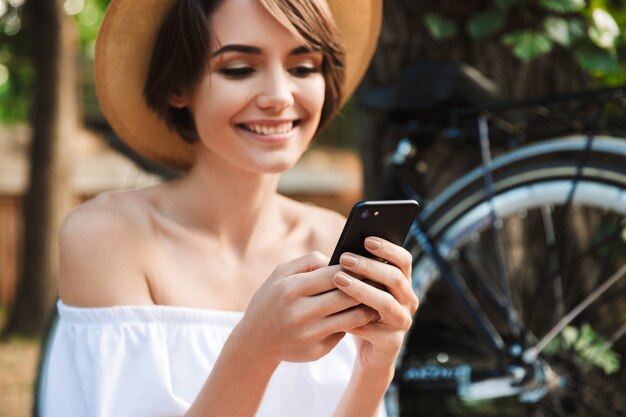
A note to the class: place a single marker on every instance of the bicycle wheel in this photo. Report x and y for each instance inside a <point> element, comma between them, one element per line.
<point>555,227</point>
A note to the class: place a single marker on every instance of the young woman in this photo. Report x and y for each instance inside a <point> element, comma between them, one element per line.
<point>210,295</point>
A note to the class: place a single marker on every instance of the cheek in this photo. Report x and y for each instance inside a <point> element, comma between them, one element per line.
<point>313,97</point>
<point>216,106</point>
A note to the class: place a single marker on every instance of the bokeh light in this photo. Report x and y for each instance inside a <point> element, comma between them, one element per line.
<point>4,74</point>
<point>73,7</point>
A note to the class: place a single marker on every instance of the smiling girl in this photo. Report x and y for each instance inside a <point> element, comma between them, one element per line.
<point>211,294</point>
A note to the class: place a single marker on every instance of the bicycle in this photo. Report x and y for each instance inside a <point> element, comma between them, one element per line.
<point>520,262</point>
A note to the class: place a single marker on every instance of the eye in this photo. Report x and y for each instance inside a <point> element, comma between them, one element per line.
<point>304,70</point>
<point>236,72</point>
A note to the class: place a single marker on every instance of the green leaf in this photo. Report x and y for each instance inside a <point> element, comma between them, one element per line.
<point>604,30</point>
<point>481,25</point>
<point>590,348</point>
<point>577,29</point>
<point>528,45</point>
<point>563,31</point>
<point>569,335</point>
<point>597,60</point>
<point>439,26</point>
<point>557,29</point>
<point>594,349</point>
<point>562,6</point>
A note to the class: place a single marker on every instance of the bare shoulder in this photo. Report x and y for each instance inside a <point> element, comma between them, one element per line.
<point>323,226</point>
<point>101,243</point>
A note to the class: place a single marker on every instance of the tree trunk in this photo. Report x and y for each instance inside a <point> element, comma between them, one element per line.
<point>49,197</point>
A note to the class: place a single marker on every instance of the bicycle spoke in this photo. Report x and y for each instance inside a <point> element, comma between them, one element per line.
<point>595,246</point>
<point>604,265</point>
<point>460,290</point>
<point>553,259</point>
<point>482,278</point>
<point>545,278</point>
<point>609,239</point>
<point>581,163</point>
<point>558,328</point>
<point>556,403</point>
<point>594,396</point>
<point>496,226</point>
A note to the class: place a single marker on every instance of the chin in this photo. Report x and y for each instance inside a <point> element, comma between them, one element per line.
<point>277,163</point>
<point>278,168</point>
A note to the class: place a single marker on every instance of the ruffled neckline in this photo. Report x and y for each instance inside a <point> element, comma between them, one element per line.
<point>146,314</point>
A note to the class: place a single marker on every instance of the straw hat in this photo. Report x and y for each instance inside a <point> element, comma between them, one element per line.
<point>123,52</point>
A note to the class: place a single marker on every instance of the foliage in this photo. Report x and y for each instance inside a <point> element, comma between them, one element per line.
<point>16,75</point>
<point>591,30</point>
<point>16,69</point>
<point>440,27</point>
<point>528,44</point>
<point>590,348</point>
<point>483,24</point>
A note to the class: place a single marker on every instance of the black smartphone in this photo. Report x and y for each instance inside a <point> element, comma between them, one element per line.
<point>387,219</point>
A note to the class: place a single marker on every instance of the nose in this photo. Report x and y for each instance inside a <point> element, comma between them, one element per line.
<point>277,93</point>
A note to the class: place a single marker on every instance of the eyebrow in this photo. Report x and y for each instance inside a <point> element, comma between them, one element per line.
<point>255,50</point>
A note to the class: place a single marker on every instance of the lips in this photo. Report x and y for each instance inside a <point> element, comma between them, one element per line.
<point>267,129</point>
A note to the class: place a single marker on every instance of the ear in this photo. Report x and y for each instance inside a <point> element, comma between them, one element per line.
<point>178,99</point>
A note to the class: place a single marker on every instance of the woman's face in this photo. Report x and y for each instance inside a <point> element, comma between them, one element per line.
<point>259,103</point>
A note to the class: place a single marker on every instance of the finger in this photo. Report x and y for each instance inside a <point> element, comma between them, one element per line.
<point>322,347</point>
<point>345,320</point>
<point>394,254</point>
<point>390,310</point>
<point>332,340</point>
<point>306,263</point>
<point>386,274</point>
<point>380,336</point>
<point>315,282</point>
<point>372,332</point>
<point>332,302</point>
<point>317,307</point>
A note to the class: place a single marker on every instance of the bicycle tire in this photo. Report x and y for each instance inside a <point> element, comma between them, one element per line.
<point>578,184</point>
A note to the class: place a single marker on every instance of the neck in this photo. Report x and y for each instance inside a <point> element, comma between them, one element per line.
<point>238,208</point>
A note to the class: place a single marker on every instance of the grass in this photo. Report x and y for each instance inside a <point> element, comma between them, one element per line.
<point>18,366</point>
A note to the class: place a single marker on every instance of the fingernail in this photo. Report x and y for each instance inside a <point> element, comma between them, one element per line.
<point>347,260</point>
<point>343,280</point>
<point>372,243</point>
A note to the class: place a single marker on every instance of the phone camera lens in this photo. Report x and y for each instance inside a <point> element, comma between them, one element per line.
<point>365,214</point>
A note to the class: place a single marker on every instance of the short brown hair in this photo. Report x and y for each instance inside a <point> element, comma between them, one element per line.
<point>182,47</point>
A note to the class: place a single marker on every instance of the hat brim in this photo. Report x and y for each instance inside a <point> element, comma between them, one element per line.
<point>123,51</point>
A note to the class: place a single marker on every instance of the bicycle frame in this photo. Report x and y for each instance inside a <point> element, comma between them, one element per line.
<point>518,351</point>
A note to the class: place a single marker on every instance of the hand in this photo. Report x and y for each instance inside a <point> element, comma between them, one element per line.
<point>379,341</point>
<point>295,317</point>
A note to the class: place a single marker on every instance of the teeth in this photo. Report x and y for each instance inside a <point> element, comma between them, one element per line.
<point>271,130</point>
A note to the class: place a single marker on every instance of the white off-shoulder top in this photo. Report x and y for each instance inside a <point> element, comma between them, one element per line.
<point>151,361</point>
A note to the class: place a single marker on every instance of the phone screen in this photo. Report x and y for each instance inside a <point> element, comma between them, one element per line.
<point>387,219</point>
